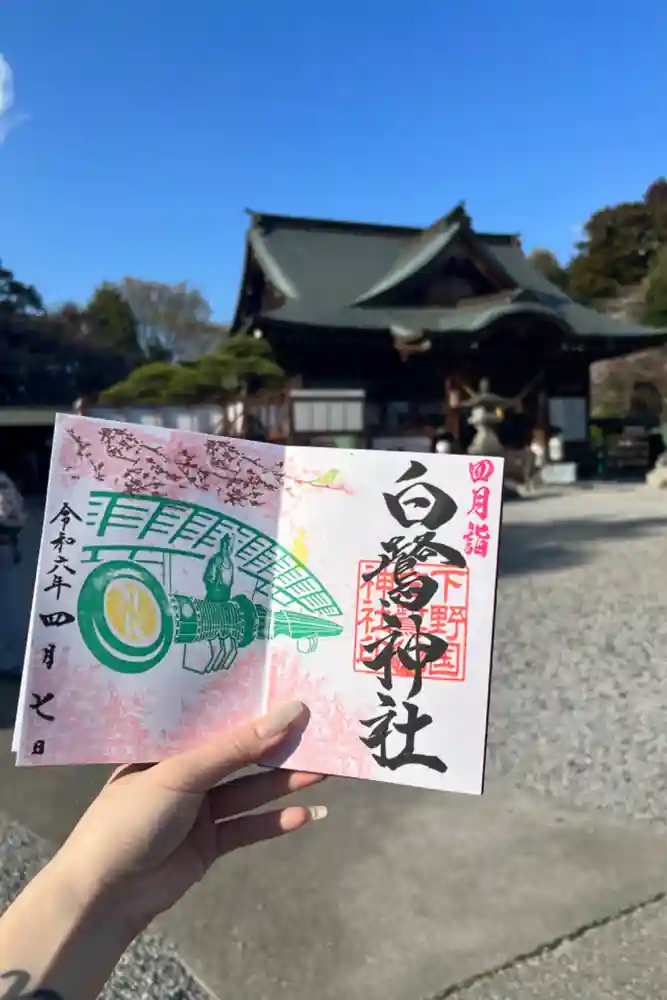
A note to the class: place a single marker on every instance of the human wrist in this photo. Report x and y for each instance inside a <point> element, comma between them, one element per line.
<point>89,902</point>
<point>62,936</point>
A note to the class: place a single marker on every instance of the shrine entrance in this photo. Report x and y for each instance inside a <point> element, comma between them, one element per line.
<point>515,367</point>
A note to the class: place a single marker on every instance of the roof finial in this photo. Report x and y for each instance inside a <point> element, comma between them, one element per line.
<point>459,214</point>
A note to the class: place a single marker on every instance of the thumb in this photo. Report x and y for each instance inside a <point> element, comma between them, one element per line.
<point>200,769</point>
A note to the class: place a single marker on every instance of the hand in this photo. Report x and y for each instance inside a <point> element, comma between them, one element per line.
<point>155,830</point>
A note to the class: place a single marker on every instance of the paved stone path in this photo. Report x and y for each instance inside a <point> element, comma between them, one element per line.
<point>409,895</point>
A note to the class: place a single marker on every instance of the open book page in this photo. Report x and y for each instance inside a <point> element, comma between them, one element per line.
<point>407,546</point>
<point>136,648</point>
<point>187,582</point>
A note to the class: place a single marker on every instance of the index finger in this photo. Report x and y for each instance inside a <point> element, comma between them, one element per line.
<point>196,771</point>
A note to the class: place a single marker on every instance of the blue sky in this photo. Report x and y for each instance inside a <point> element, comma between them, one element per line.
<point>153,124</point>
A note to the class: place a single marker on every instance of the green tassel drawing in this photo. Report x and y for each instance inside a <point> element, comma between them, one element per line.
<point>129,619</point>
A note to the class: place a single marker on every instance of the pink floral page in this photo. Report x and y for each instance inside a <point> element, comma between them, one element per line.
<point>187,582</point>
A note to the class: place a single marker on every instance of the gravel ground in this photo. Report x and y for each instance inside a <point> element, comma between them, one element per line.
<point>579,701</point>
<point>149,970</point>
<point>623,960</point>
<point>579,694</point>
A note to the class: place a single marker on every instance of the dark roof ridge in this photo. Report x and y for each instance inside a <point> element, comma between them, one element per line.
<point>509,239</point>
<point>334,224</point>
<point>375,227</point>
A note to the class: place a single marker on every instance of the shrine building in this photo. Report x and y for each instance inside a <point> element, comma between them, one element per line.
<point>390,334</point>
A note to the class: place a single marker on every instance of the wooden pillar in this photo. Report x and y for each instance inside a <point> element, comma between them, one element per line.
<point>453,417</point>
<point>543,423</point>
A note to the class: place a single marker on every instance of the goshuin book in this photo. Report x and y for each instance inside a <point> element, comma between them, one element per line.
<point>189,582</point>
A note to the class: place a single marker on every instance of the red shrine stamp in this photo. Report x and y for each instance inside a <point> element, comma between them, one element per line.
<point>446,616</point>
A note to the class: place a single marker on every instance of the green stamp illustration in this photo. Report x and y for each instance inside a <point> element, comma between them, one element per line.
<point>130,617</point>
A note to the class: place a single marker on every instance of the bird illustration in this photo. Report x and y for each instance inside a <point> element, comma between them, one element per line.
<point>327,478</point>
<point>300,546</point>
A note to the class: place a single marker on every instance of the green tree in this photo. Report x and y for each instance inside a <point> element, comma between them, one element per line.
<point>154,384</point>
<point>619,245</point>
<point>17,298</point>
<point>548,264</point>
<point>70,316</point>
<point>50,358</point>
<point>43,363</point>
<point>109,319</point>
<point>616,251</point>
<point>239,366</point>
<point>656,201</point>
<point>655,298</point>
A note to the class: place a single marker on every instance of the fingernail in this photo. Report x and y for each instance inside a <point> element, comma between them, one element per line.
<point>317,812</point>
<point>279,720</point>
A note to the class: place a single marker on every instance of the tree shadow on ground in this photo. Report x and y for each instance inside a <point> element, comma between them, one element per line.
<point>553,545</point>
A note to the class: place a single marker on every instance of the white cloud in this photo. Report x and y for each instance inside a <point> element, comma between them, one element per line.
<point>9,118</point>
